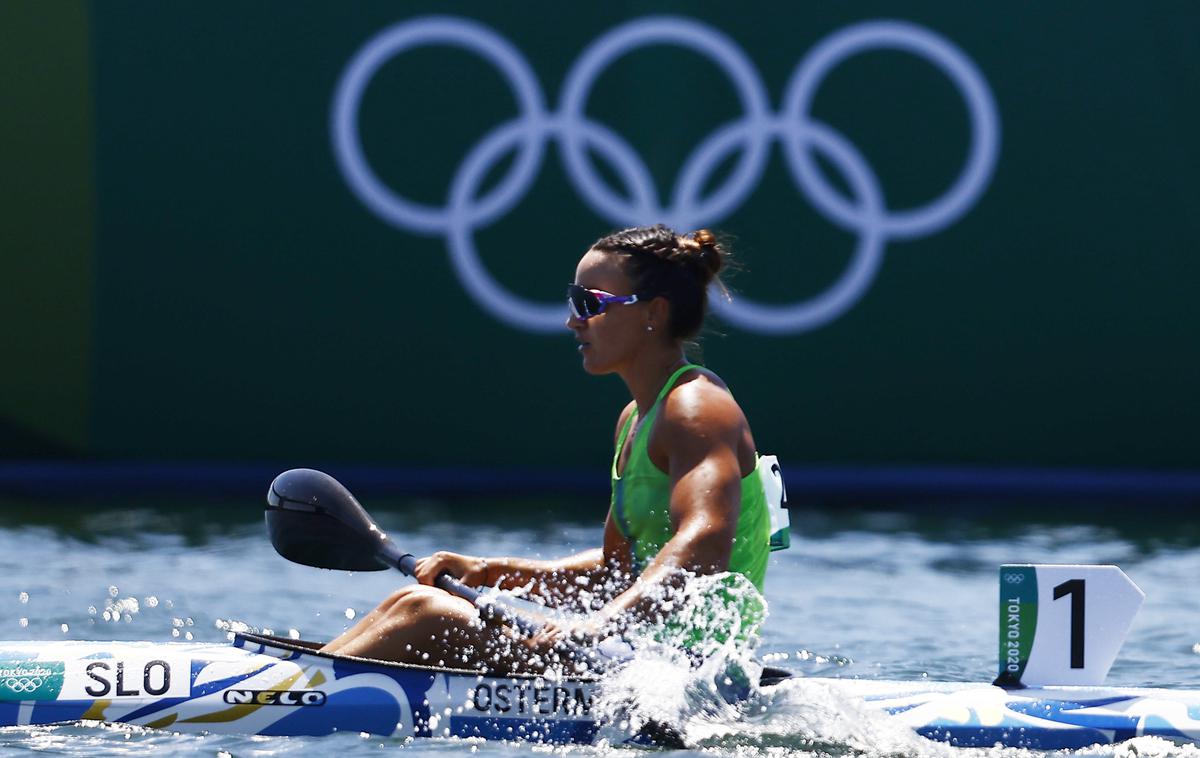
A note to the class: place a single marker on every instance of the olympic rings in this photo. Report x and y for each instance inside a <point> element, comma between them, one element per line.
<point>23,684</point>
<point>800,134</point>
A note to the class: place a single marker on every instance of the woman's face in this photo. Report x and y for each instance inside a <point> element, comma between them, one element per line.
<point>611,340</point>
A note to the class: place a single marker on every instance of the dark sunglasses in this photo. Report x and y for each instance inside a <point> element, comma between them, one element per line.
<point>585,303</point>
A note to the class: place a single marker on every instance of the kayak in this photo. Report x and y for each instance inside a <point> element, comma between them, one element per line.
<point>1060,630</point>
<point>269,685</point>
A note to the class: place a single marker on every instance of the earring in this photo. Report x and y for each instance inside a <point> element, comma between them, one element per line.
<point>649,327</point>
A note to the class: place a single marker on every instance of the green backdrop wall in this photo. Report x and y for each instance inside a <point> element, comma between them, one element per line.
<point>191,274</point>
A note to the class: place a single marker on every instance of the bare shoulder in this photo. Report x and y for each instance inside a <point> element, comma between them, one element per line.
<point>626,412</point>
<point>701,407</point>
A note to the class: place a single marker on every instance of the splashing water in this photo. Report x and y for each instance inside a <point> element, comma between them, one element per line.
<point>694,674</point>
<point>695,663</point>
<point>810,717</point>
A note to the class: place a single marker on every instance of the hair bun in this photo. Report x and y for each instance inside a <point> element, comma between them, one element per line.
<point>704,238</point>
<point>710,253</point>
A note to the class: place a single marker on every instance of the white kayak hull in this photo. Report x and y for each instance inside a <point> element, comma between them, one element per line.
<point>264,685</point>
<point>275,687</point>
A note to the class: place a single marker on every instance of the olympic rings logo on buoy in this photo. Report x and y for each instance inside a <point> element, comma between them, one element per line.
<point>801,136</point>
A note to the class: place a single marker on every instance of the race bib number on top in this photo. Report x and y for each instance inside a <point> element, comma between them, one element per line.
<point>771,476</point>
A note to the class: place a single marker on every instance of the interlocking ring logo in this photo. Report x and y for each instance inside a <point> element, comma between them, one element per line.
<point>801,135</point>
<point>1014,578</point>
<point>23,683</point>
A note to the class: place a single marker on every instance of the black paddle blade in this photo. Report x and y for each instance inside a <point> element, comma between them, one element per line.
<point>314,520</point>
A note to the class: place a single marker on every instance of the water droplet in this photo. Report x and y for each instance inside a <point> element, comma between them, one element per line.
<point>22,623</point>
<point>350,613</point>
<point>112,591</point>
<point>23,597</point>
<point>64,628</point>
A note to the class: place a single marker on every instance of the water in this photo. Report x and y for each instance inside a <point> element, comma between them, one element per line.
<point>860,594</point>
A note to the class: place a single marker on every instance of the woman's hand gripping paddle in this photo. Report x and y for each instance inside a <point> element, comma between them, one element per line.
<point>313,520</point>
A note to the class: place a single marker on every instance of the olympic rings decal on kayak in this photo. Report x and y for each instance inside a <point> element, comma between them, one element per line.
<point>800,135</point>
<point>23,684</point>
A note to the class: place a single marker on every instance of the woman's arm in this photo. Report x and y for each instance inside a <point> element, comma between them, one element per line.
<point>545,578</point>
<point>554,578</point>
<point>600,572</point>
<point>700,436</point>
<point>700,432</point>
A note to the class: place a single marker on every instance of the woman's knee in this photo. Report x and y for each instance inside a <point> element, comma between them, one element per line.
<point>402,595</point>
<point>426,604</point>
<point>439,605</point>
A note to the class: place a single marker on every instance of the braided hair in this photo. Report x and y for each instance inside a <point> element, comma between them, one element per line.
<point>662,263</point>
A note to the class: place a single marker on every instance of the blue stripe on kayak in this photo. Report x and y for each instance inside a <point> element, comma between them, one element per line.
<point>55,711</point>
<point>359,709</point>
<point>157,706</point>
<point>1075,711</point>
<point>1157,726</point>
<point>93,479</point>
<point>895,709</point>
<point>415,683</point>
<point>496,728</point>
<point>1017,736</point>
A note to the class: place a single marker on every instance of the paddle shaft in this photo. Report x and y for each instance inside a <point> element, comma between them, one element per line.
<point>488,610</point>
<point>407,564</point>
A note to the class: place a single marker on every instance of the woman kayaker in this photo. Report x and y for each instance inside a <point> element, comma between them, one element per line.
<point>686,495</point>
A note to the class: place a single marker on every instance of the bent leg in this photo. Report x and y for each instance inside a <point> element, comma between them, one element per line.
<point>424,625</point>
<point>372,618</point>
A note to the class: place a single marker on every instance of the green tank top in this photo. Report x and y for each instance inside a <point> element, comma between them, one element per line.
<point>641,496</point>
